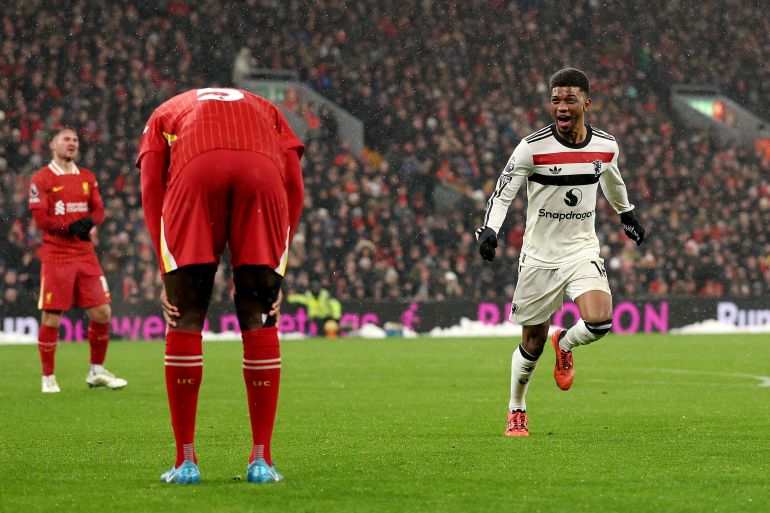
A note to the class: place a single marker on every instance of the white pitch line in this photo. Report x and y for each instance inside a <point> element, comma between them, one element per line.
<point>764,381</point>
<point>672,383</point>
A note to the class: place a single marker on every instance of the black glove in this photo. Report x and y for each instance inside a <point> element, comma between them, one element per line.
<point>487,242</point>
<point>631,226</point>
<point>81,228</point>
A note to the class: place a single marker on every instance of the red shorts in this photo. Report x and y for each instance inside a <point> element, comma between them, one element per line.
<point>226,196</point>
<point>81,280</point>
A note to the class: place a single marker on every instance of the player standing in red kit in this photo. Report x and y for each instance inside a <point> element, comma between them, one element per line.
<point>66,204</point>
<point>221,166</point>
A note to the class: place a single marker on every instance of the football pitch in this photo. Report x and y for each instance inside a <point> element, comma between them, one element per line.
<point>652,424</point>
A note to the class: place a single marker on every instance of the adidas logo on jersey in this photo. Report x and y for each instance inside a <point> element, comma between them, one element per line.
<point>555,170</point>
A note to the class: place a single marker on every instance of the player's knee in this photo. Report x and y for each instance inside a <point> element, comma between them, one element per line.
<point>533,338</point>
<point>256,289</point>
<point>598,329</point>
<point>101,313</point>
<point>250,319</point>
<point>191,319</point>
<point>252,306</point>
<point>51,318</point>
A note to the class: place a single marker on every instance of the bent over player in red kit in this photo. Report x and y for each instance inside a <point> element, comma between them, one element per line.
<point>66,204</point>
<point>221,166</point>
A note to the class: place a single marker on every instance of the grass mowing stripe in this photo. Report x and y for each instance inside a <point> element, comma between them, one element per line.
<point>653,423</point>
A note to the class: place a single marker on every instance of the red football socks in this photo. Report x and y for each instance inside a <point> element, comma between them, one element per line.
<point>184,371</point>
<point>46,344</point>
<point>262,374</point>
<point>98,338</point>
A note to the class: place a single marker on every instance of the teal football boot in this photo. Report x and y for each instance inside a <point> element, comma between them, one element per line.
<point>260,472</point>
<point>186,473</point>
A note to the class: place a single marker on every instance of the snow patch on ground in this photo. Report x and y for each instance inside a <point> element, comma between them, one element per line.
<point>469,328</point>
<point>714,327</point>
<point>13,339</point>
<point>466,328</point>
<point>374,331</point>
<point>210,336</point>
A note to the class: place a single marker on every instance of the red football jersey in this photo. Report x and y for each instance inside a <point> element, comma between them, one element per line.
<point>57,199</point>
<point>201,120</point>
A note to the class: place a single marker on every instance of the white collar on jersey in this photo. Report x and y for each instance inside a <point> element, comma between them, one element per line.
<point>58,171</point>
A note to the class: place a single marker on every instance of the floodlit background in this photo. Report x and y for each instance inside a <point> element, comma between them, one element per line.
<point>409,111</point>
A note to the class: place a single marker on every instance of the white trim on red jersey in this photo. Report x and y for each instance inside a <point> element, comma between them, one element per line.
<point>58,171</point>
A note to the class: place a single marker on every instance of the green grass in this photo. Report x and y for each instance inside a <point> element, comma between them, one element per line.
<point>652,424</point>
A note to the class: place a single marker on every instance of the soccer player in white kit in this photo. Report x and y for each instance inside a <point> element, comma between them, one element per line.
<point>561,166</point>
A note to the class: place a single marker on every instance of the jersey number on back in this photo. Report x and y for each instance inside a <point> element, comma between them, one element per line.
<point>221,95</point>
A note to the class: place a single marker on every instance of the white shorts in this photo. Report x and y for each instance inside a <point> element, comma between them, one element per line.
<point>540,292</point>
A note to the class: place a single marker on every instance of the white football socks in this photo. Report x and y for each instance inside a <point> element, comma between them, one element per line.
<point>584,333</point>
<point>522,367</point>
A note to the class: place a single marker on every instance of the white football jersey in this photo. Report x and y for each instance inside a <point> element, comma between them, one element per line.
<point>561,182</point>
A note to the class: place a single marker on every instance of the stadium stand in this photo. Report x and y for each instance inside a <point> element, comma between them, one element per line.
<point>446,90</point>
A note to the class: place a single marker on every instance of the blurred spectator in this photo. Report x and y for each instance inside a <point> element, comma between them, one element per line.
<point>322,308</point>
<point>445,90</point>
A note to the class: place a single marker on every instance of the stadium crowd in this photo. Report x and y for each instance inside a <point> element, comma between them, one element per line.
<point>445,89</point>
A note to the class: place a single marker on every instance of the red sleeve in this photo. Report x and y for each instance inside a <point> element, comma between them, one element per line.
<point>96,204</point>
<point>38,204</point>
<point>50,224</point>
<point>295,190</point>
<point>154,165</point>
<point>152,138</point>
<point>289,141</point>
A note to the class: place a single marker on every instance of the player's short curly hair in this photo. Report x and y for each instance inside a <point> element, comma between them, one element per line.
<point>570,77</point>
<point>59,129</point>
